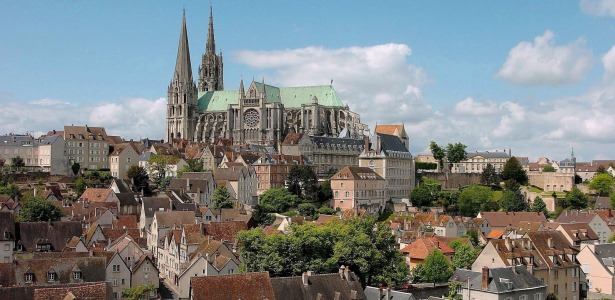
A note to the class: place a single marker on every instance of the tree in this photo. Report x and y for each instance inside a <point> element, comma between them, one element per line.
<point>278,200</point>
<point>11,190</point>
<point>139,178</point>
<point>453,287</point>
<point>513,201</point>
<point>139,292</point>
<point>437,267</point>
<point>159,165</point>
<point>539,206</point>
<point>80,186</point>
<point>438,153</point>
<point>489,176</point>
<point>549,169</point>
<point>551,296</point>
<point>192,165</point>
<point>472,234</point>
<point>513,170</point>
<point>575,199</point>
<point>2,162</point>
<point>37,209</point>
<point>325,193</point>
<point>464,256</point>
<point>302,181</point>
<point>456,153</point>
<point>476,198</point>
<point>75,167</point>
<point>221,198</point>
<point>307,209</point>
<point>17,163</point>
<point>262,216</point>
<point>421,196</point>
<point>601,169</point>
<point>602,183</point>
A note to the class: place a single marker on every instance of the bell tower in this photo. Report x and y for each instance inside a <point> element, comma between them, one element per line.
<point>211,69</point>
<point>182,92</point>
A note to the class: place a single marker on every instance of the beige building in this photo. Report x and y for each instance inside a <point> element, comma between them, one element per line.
<point>24,146</point>
<point>272,170</point>
<point>596,223</point>
<point>358,188</point>
<point>241,184</point>
<point>599,269</point>
<point>123,156</point>
<point>52,156</point>
<point>499,284</point>
<point>389,158</point>
<point>551,181</point>
<point>477,161</point>
<point>88,146</point>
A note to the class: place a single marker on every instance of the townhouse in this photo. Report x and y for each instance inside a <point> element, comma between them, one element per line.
<point>357,188</point>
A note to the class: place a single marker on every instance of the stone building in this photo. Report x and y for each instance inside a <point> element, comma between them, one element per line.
<point>256,114</point>
<point>358,188</point>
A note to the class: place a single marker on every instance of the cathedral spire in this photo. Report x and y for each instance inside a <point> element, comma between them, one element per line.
<point>241,90</point>
<point>211,42</point>
<point>183,67</point>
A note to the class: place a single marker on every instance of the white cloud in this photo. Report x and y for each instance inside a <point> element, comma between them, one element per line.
<point>376,79</point>
<point>131,118</point>
<point>544,63</point>
<point>608,63</point>
<point>599,7</point>
<point>470,107</point>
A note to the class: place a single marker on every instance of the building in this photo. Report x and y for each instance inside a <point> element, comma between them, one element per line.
<point>477,161</point>
<point>123,156</point>
<point>259,114</point>
<point>416,252</point>
<point>358,188</point>
<point>24,146</point>
<point>241,184</point>
<point>87,146</point>
<point>52,156</point>
<point>272,170</point>
<point>598,264</point>
<point>499,284</point>
<point>387,156</point>
<point>397,130</point>
<point>596,223</point>
<point>551,181</point>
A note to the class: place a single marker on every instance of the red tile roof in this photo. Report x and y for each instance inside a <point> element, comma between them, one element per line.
<point>420,248</point>
<point>250,286</point>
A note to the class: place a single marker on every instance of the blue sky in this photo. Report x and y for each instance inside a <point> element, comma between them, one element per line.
<point>534,76</point>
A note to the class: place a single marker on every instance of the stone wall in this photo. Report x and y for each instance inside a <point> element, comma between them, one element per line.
<point>454,180</point>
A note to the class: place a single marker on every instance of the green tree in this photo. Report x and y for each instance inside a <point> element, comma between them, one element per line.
<point>17,163</point>
<point>438,153</point>
<point>456,153</point>
<point>472,234</point>
<point>11,190</point>
<point>601,170</point>
<point>325,193</point>
<point>159,166</point>
<point>307,209</point>
<point>262,216</point>
<point>551,296</point>
<point>489,176</point>
<point>539,206</point>
<point>453,286</point>
<point>513,201</point>
<point>221,198</point>
<point>437,267</point>
<point>192,165</point>
<point>80,186</point>
<point>475,198</point>
<point>139,292</point>
<point>302,181</point>
<point>513,170</point>
<point>575,199</point>
<point>421,196</point>
<point>75,167</point>
<point>549,169</point>
<point>139,178</point>
<point>602,183</point>
<point>464,257</point>
<point>278,200</point>
<point>37,209</point>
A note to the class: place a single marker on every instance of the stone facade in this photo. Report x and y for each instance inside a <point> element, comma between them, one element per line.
<point>259,114</point>
<point>358,188</point>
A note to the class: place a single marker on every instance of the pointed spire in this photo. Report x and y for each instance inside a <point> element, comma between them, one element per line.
<point>183,67</point>
<point>210,47</point>
<point>241,90</point>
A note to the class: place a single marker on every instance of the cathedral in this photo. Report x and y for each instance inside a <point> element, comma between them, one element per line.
<point>257,113</point>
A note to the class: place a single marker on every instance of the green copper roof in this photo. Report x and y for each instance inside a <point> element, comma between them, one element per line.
<point>291,97</point>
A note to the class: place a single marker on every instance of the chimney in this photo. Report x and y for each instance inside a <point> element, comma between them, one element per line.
<point>304,278</point>
<point>366,146</point>
<point>507,243</point>
<point>341,271</point>
<point>485,278</point>
<point>550,242</point>
<point>346,275</point>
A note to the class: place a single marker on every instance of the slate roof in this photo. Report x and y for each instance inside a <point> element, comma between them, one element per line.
<point>154,204</point>
<point>503,219</point>
<point>63,266</point>
<point>17,140</point>
<point>56,233</point>
<point>373,293</point>
<point>88,291</point>
<point>602,203</point>
<point>7,226</point>
<point>356,173</point>
<point>128,199</point>
<point>198,175</point>
<point>501,280</point>
<point>391,143</point>
<point>225,231</point>
<point>344,143</point>
<point>248,286</point>
<point>489,154</point>
<point>575,216</point>
<point>325,285</point>
<point>606,253</point>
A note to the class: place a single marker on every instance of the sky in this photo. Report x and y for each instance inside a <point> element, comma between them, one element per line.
<point>536,77</point>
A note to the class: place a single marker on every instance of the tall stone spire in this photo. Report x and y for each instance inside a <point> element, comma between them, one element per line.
<point>210,46</point>
<point>183,68</point>
<point>211,69</point>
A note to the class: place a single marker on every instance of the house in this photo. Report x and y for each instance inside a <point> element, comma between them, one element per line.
<point>87,146</point>
<point>272,170</point>
<point>93,290</point>
<point>150,205</point>
<point>7,237</point>
<point>416,252</point>
<point>388,156</point>
<point>578,234</point>
<point>478,160</point>
<point>232,287</point>
<point>596,223</point>
<point>397,130</point>
<point>144,272</point>
<point>60,268</point>
<point>546,254</point>
<point>45,236</point>
<point>164,221</point>
<point>52,156</point>
<point>378,293</point>
<point>99,195</point>
<point>502,220</point>
<point>241,184</point>
<point>308,286</point>
<point>123,156</point>
<point>440,224</point>
<point>499,284</point>
<point>598,264</point>
<point>118,273</point>
<point>200,191</point>
<point>358,188</point>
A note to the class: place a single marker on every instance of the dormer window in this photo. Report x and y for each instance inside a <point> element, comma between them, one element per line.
<point>77,275</point>
<point>51,276</point>
<point>29,277</point>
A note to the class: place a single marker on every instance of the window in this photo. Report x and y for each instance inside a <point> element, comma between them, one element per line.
<point>77,275</point>
<point>29,277</point>
<point>116,268</point>
<point>114,282</point>
<point>538,296</point>
<point>7,247</point>
<point>123,281</point>
<point>51,276</point>
<point>523,297</point>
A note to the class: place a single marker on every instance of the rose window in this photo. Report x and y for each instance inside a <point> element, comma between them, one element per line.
<point>251,117</point>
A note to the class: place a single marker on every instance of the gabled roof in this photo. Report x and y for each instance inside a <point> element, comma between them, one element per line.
<point>174,218</point>
<point>579,232</point>
<point>7,226</point>
<point>422,247</point>
<point>356,173</point>
<point>248,286</point>
<point>62,264</point>
<point>501,280</point>
<point>558,246</point>
<point>153,204</point>
<point>55,233</point>
<point>390,129</point>
<point>292,138</point>
<point>575,216</point>
<point>325,285</point>
<point>503,219</point>
<point>225,231</point>
<point>96,194</point>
